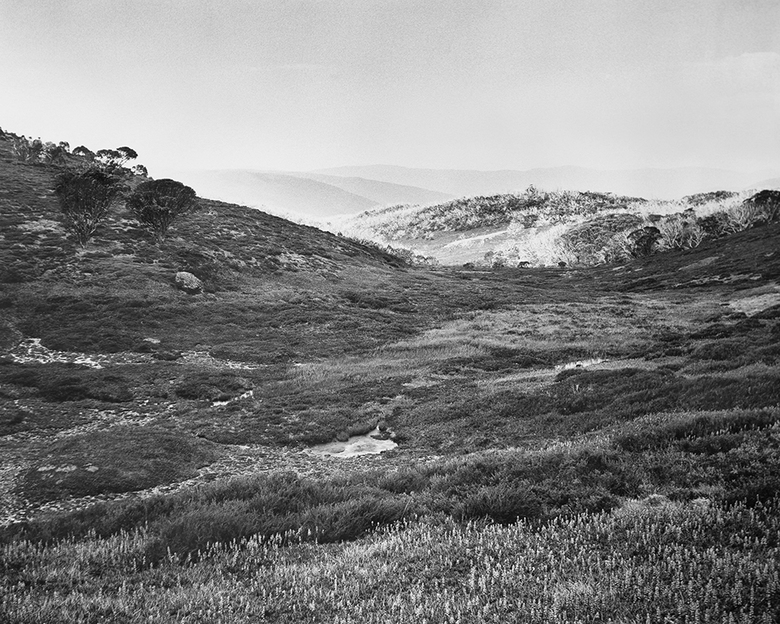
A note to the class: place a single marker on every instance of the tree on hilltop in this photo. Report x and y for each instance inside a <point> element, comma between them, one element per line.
<point>84,152</point>
<point>157,203</point>
<point>113,160</point>
<point>85,199</point>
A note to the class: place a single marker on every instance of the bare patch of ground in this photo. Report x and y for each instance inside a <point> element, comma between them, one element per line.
<point>752,304</point>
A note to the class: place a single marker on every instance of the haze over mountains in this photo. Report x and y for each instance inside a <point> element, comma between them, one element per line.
<point>349,190</point>
<point>302,194</point>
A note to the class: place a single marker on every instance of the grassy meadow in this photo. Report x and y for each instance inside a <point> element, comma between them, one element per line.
<point>574,444</point>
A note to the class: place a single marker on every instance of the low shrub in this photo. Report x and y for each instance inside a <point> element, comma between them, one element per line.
<point>503,503</point>
<point>720,349</point>
<point>639,437</point>
<point>210,386</point>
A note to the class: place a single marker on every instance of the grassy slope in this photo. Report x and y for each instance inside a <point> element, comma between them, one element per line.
<point>465,366</point>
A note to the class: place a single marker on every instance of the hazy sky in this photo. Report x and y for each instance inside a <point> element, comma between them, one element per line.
<point>478,84</point>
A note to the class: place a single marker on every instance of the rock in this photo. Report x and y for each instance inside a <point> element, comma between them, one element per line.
<point>188,283</point>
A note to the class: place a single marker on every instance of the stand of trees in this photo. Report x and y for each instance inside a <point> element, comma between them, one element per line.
<point>90,183</point>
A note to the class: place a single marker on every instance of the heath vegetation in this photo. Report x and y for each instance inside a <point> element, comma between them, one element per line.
<point>598,441</point>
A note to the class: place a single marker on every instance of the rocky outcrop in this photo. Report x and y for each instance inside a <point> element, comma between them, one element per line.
<point>188,283</point>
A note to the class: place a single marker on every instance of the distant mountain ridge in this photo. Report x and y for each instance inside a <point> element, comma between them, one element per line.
<point>321,194</point>
<point>304,194</point>
<point>648,183</point>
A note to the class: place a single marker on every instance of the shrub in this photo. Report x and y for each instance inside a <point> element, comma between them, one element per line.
<point>643,241</point>
<point>768,203</point>
<point>716,225</point>
<point>85,199</point>
<point>503,503</point>
<point>700,199</point>
<point>210,386</point>
<point>680,231</point>
<point>27,150</point>
<point>158,203</point>
<point>597,240</point>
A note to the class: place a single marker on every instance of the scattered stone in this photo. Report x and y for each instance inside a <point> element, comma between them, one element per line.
<point>188,283</point>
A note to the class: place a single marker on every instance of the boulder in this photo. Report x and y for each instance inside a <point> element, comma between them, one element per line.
<point>188,283</point>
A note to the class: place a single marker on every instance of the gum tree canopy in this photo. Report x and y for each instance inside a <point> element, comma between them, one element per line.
<point>157,203</point>
<point>85,199</point>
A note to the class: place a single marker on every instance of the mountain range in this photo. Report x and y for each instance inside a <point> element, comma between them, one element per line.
<point>324,193</point>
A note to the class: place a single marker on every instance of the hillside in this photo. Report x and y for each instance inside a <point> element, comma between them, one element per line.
<point>172,456</point>
<point>538,228</point>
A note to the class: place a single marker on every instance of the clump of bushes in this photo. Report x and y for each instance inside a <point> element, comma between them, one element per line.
<point>31,150</point>
<point>92,181</point>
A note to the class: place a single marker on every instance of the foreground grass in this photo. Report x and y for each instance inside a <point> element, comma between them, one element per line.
<point>724,457</point>
<point>644,563</point>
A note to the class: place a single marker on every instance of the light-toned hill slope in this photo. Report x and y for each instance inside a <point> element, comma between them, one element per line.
<point>304,195</point>
<point>280,193</point>
<point>546,228</point>
<point>383,193</point>
<point>769,183</point>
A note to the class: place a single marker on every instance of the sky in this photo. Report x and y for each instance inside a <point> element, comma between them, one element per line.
<point>467,84</point>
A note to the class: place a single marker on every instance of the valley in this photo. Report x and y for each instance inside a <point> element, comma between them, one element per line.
<point>587,441</point>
